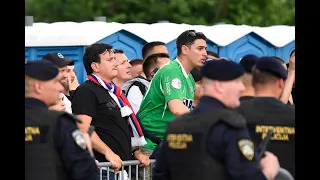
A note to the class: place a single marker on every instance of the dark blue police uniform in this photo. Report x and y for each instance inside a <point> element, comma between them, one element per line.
<point>227,150</point>
<point>54,146</point>
<point>264,113</point>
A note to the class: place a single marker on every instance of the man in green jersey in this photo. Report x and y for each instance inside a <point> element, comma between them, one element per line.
<point>171,91</point>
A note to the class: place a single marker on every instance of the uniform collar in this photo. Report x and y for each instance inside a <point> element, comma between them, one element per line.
<point>269,100</point>
<point>31,103</point>
<point>246,98</point>
<point>182,68</point>
<point>206,103</point>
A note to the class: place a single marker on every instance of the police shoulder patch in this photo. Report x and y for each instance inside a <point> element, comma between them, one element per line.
<point>78,138</point>
<point>176,83</point>
<point>246,148</point>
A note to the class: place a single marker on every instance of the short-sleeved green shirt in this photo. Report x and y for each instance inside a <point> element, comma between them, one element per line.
<point>170,82</point>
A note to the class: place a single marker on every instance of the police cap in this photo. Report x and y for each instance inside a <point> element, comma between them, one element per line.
<point>42,70</point>
<point>222,70</point>
<point>57,58</point>
<point>272,66</point>
<point>248,61</point>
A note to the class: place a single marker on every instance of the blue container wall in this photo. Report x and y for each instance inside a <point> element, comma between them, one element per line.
<point>126,41</point>
<point>285,51</point>
<point>172,48</point>
<point>249,44</point>
<point>73,52</point>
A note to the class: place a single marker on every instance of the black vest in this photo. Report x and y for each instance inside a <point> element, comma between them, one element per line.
<point>41,159</point>
<point>187,153</point>
<point>260,117</point>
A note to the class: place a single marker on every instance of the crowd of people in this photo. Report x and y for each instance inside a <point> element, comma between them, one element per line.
<point>199,115</point>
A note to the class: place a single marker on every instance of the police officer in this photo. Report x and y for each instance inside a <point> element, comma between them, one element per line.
<point>54,147</point>
<point>266,111</point>
<point>212,141</point>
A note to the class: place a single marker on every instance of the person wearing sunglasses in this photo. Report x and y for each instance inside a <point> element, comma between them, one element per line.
<point>171,91</point>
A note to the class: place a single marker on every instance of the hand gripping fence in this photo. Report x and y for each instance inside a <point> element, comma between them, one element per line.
<point>106,166</point>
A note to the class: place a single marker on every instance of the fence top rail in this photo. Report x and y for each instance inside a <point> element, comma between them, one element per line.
<point>125,163</point>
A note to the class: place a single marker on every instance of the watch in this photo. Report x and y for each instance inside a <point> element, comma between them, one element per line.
<point>133,151</point>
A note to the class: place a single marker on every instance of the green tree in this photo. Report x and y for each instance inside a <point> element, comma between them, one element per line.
<point>207,12</point>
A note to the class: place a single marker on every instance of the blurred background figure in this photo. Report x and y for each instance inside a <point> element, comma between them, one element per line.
<point>72,79</point>
<point>59,105</point>
<point>62,63</point>
<point>212,55</point>
<point>153,48</point>
<point>196,74</point>
<point>248,62</point>
<point>136,68</point>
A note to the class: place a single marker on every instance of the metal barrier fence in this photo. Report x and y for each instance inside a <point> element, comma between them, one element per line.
<point>106,166</point>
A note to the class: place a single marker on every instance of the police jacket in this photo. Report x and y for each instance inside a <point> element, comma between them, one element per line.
<point>264,113</point>
<point>54,147</point>
<point>211,142</point>
<point>187,137</point>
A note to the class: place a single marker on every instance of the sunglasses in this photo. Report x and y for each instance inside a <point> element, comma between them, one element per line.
<point>193,33</point>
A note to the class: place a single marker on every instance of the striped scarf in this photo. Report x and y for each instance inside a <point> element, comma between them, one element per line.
<point>137,137</point>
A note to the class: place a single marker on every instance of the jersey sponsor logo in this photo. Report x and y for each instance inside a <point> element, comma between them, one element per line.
<point>246,148</point>
<point>176,83</point>
<point>188,103</point>
<point>78,138</point>
<point>30,132</point>
<point>168,88</point>
<point>280,133</point>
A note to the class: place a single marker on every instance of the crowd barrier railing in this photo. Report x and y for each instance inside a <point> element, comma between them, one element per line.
<point>106,166</point>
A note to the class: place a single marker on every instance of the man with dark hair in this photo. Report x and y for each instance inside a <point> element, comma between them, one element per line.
<point>136,67</point>
<point>98,101</point>
<point>172,88</point>
<point>212,55</point>
<point>248,62</point>
<point>124,68</point>
<point>153,47</point>
<point>266,111</point>
<point>154,62</point>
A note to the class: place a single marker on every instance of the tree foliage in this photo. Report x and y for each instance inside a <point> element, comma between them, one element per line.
<point>206,12</point>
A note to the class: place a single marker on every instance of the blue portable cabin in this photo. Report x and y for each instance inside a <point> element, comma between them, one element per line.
<point>281,37</point>
<point>130,43</point>
<point>72,43</point>
<point>285,51</point>
<point>231,41</point>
